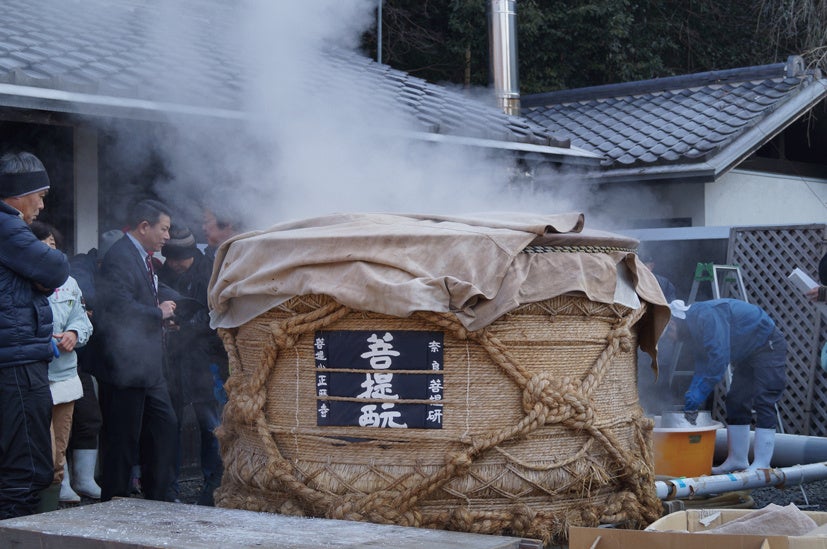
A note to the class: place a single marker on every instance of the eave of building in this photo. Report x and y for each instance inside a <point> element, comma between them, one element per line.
<point>569,156</point>
<point>48,99</point>
<point>755,137</point>
<point>102,106</point>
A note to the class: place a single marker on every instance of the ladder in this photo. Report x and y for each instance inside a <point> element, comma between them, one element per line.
<point>726,281</point>
<point>723,277</point>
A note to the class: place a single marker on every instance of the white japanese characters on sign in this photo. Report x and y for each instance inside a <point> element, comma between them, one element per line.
<point>401,378</point>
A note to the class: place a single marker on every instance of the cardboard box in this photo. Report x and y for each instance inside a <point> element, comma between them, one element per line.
<point>695,520</point>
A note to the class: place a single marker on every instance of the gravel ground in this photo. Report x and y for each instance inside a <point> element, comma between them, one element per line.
<point>807,497</point>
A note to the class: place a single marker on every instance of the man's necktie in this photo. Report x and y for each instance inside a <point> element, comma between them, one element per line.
<point>151,271</point>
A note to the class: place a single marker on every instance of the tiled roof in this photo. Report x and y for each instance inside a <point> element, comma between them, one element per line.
<point>437,109</point>
<point>671,125</point>
<point>115,52</point>
<point>116,49</point>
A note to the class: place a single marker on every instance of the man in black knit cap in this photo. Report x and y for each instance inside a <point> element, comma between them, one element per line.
<point>29,272</point>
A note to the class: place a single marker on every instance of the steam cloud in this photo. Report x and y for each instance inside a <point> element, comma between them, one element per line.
<point>318,141</point>
<point>309,148</point>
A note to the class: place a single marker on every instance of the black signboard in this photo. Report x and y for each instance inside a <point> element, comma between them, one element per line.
<point>387,379</point>
<point>396,414</point>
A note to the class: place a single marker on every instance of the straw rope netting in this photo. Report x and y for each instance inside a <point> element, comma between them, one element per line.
<point>542,428</point>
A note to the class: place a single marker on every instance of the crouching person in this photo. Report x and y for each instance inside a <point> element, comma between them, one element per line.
<point>723,332</point>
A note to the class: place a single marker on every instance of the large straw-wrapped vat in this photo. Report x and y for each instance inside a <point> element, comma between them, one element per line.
<point>525,420</point>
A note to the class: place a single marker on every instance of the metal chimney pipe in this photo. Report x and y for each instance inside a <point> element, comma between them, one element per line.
<point>502,34</point>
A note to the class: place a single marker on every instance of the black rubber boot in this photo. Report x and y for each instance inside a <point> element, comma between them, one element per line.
<point>49,499</point>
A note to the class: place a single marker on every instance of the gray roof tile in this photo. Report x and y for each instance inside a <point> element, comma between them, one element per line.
<point>22,40</point>
<point>76,83</point>
<point>681,147</point>
<point>669,155</point>
<point>8,62</point>
<point>627,158</point>
<point>121,52</point>
<point>28,56</point>
<point>684,119</point>
<point>669,141</point>
<point>26,76</point>
<point>648,156</point>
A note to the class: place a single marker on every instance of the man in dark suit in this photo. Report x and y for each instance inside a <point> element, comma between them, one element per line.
<point>139,421</point>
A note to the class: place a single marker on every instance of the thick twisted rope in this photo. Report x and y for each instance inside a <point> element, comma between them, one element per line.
<point>545,401</point>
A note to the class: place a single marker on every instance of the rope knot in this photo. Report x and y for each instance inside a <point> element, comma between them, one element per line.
<point>460,461</point>
<point>461,519</point>
<point>523,519</point>
<point>282,338</point>
<point>346,508</point>
<point>624,336</point>
<point>561,397</point>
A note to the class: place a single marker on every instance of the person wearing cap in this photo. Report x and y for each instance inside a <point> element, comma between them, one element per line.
<point>194,350</point>
<point>29,272</point>
<point>724,332</point>
<point>133,309</point>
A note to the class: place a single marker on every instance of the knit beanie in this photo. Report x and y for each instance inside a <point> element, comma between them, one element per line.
<point>181,243</point>
<point>106,240</point>
<point>13,185</point>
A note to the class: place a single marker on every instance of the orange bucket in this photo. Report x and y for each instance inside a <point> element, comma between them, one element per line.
<point>684,451</point>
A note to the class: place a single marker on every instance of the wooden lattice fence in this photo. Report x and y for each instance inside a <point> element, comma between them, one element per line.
<point>766,256</point>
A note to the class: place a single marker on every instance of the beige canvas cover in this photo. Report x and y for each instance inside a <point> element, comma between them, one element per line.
<point>474,267</point>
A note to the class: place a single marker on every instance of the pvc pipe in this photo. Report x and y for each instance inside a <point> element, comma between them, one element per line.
<point>789,449</point>
<point>730,482</point>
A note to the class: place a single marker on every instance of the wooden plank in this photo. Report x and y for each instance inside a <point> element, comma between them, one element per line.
<point>135,522</point>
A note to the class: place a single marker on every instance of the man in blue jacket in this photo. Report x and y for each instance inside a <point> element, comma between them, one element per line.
<point>29,272</point>
<point>721,332</point>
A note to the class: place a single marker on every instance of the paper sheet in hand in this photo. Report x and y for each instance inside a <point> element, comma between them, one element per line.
<point>803,282</point>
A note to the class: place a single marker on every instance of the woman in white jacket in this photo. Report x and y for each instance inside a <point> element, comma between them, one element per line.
<point>71,329</point>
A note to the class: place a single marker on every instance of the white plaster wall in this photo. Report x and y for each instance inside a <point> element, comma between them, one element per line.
<point>86,188</point>
<point>756,198</point>
<point>648,203</point>
<point>687,200</point>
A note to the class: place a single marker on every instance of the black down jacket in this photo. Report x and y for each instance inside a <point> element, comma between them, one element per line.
<point>29,271</point>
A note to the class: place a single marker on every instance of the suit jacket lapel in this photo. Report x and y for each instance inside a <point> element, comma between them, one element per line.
<point>147,278</point>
